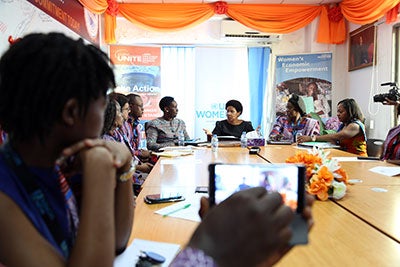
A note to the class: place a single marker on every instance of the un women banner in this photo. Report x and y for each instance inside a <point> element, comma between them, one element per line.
<point>137,70</point>
<point>307,75</point>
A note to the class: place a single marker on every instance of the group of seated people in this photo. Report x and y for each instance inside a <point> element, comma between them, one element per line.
<point>299,127</point>
<point>66,168</point>
<point>66,194</point>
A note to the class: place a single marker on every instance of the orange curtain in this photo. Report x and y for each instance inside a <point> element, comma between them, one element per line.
<point>274,18</point>
<point>268,17</point>
<point>167,17</point>
<point>95,6</point>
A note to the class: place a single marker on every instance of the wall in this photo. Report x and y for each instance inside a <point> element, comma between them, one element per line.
<point>19,17</point>
<point>362,84</point>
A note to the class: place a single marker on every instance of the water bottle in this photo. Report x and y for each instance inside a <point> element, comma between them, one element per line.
<point>143,140</point>
<point>298,134</point>
<point>181,138</point>
<point>214,143</point>
<point>243,140</point>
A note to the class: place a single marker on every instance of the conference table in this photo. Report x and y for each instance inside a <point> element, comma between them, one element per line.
<point>360,229</point>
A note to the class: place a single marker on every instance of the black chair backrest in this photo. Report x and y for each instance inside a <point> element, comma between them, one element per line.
<point>374,147</point>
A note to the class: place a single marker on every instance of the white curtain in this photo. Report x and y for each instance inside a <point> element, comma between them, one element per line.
<point>178,81</point>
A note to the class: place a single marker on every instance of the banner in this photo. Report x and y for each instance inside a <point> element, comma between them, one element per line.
<point>137,70</point>
<point>307,75</point>
<point>73,15</point>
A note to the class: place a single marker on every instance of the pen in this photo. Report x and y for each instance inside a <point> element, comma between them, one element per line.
<point>369,158</point>
<point>178,209</point>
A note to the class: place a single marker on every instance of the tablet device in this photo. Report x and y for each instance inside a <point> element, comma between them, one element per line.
<point>287,179</point>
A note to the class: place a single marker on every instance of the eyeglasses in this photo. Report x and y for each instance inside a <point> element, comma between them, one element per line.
<point>126,109</point>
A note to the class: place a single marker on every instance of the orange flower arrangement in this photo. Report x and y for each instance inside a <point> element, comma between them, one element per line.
<point>325,177</point>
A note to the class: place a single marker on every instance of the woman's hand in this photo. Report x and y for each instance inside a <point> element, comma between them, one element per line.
<point>207,132</point>
<point>303,138</point>
<point>69,157</point>
<point>264,224</point>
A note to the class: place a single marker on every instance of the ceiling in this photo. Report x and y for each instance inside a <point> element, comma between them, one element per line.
<point>307,2</point>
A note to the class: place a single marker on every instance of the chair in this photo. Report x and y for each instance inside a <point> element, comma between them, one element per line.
<point>374,147</point>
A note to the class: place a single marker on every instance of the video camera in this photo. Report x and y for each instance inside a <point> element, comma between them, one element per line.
<point>392,95</point>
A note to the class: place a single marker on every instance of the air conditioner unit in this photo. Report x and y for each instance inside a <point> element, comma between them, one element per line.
<point>232,30</point>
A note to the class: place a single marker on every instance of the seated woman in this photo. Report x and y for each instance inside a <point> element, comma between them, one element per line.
<point>232,126</point>
<point>164,131</point>
<point>351,134</point>
<point>113,120</point>
<point>295,121</point>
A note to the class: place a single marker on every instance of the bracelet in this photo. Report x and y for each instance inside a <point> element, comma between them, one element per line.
<point>125,176</point>
<point>313,138</point>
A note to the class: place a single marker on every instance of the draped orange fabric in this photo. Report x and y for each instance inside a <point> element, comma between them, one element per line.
<point>264,17</point>
<point>167,17</point>
<point>274,18</point>
<point>391,16</point>
<point>364,12</point>
<point>95,6</point>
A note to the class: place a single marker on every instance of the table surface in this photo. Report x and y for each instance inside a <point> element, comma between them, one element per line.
<point>360,229</point>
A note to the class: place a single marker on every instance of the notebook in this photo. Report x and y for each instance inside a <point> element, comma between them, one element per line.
<point>280,142</point>
<point>318,145</point>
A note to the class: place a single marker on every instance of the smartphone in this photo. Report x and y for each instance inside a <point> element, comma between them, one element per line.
<point>163,198</point>
<point>287,179</point>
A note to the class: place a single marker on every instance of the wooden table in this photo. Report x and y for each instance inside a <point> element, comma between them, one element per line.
<point>340,239</point>
<point>359,230</point>
<point>379,209</point>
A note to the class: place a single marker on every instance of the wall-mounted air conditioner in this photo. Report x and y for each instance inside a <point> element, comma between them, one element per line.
<point>232,30</point>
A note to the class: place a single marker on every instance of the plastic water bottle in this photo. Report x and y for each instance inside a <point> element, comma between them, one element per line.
<point>214,143</point>
<point>143,140</point>
<point>243,140</point>
<point>181,138</point>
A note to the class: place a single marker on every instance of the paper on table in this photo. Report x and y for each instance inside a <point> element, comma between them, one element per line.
<point>388,171</point>
<point>189,213</point>
<point>318,144</point>
<point>174,153</point>
<point>345,158</point>
<point>131,254</point>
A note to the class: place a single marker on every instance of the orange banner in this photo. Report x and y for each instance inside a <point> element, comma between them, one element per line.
<point>137,70</point>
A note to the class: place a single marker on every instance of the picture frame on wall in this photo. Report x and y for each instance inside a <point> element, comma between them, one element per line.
<point>362,47</point>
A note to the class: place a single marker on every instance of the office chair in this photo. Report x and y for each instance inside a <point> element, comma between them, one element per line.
<point>374,147</point>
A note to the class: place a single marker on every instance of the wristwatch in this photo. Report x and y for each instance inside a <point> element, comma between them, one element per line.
<point>125,176</point>
<point>313,138</point>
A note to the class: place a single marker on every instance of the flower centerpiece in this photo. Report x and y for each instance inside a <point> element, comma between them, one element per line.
<point>325,178</point>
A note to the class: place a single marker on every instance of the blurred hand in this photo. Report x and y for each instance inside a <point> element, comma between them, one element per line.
<point>259,233</point>
<point>69,157</point>
<point>277,254</point>
<point>390,102</point>
<point>207,132</point>
<point>303,138</point>
<point>145,167</point>
<point>144,154</point>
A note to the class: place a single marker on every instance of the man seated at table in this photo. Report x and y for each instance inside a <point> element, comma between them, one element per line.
<point>164,131</point>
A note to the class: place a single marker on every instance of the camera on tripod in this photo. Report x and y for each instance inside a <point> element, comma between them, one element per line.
<point>392,95</point>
